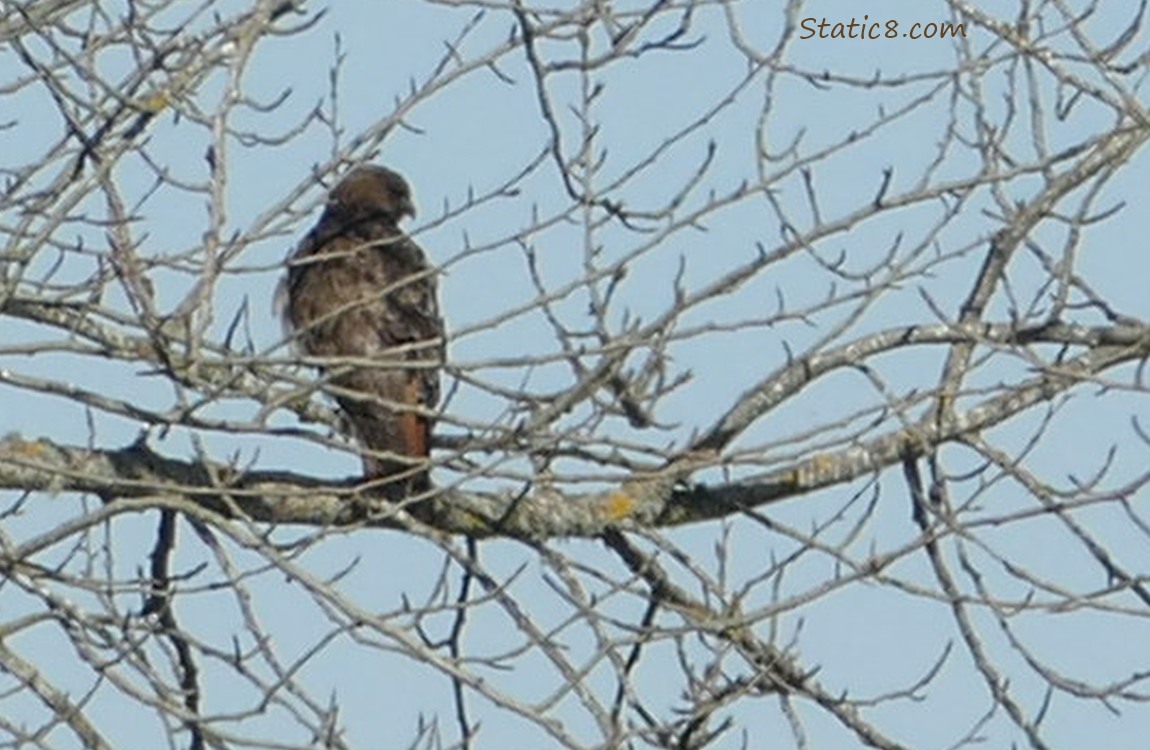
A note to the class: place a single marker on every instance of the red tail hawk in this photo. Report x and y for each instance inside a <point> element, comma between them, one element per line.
<point>361,292</point>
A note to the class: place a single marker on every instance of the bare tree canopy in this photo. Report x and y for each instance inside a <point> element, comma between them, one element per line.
<point>794,392</point>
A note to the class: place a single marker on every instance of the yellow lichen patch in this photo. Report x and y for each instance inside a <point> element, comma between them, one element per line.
<point>473,524</point>
<point>154,103</point>
<point>824,463</point>
<point>619,505</point>
<point>813,471</point>
<point>29,448</point>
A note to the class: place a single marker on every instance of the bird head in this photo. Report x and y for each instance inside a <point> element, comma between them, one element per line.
<point>372,191</point>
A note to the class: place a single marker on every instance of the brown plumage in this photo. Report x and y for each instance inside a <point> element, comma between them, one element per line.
<point>361,292</point>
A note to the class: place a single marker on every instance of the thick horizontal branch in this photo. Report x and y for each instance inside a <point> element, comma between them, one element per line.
<point>135,477</point>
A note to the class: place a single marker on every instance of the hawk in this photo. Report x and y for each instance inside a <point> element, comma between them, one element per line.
<point>360,293</point>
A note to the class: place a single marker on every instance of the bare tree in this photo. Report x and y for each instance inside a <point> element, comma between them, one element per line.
<point>794,398</point>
